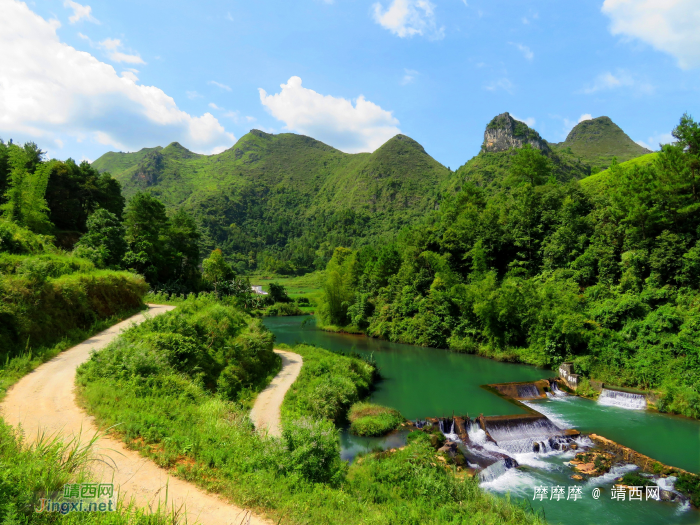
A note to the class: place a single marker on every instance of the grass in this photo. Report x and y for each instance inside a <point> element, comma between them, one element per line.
<point>600,181</point>
<point>185,423</point>
<point>42,468</point>
<point>367,419</point>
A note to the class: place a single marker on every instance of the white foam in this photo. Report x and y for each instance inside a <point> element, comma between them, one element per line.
<point>609,477</point>
<point>626,400</point>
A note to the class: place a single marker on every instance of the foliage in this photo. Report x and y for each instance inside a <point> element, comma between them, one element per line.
<point>367,419</point>
<point>607,277</point>
<point>327,385</point>
<point>104,242</point>
<point>215,269</point>
<point>689,484</point>
<point>44,467</point>
<point>201,437</point>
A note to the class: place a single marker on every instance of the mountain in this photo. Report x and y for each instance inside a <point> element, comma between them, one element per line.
<point>283,202</point>
<point>503,135</point>
<point>598,140</point>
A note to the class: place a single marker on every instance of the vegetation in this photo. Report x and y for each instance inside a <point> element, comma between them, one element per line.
<point>367,419</point>
<point>44,467</point>
<point>281,203</point>
<point>545,272</point>
<point>179,416</point>
<point>598,141</point>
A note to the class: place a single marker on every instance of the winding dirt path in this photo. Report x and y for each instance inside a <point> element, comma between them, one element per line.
<point>44,401</point>
<point>266,410</point>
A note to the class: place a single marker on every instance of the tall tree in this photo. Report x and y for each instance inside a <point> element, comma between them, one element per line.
<point>146,236</point>
<point>104,242</point>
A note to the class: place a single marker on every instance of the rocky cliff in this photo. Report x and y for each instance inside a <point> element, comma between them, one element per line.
<point>504,133</point>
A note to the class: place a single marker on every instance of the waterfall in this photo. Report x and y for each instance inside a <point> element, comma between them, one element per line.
<point>529,390</point>
<point>556,392</point>
<point>622,399</point>
<point>496,470</point>
<point>442,426</point>
<point>522,437</point>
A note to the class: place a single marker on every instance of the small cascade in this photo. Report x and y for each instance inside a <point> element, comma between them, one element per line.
<point>556,392</point>
<point>496,469</point>
<point>620,399</point>
<point>529,390</point>
<point>523,436</point>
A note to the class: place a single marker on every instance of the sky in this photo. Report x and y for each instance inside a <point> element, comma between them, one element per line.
<point>84,79</point>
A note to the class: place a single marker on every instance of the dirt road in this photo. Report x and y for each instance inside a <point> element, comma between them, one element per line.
<point>266,410</point>
<point>44,400</point>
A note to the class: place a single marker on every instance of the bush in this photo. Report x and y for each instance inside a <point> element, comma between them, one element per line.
<point>313,450</point>
<point>19,240</point>
<point>367,419</point>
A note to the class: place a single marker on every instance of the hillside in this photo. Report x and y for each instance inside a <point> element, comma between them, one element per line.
<point>597,141</point>
<point>502,136</point>
<point>283,202</point>
<point>601,180</point>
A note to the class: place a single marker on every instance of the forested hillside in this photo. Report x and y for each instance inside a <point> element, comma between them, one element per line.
<point>542,270</point>
<point>283,202</point>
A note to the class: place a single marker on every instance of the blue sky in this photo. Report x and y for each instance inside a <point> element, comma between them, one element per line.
<point>81,79</point>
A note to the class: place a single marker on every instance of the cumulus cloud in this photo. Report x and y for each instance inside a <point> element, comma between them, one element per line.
<point>49,91</point>
<point>113,46</point>
<point>363,126</point>
<point>621,78</point>
<point>670,26</point>
<point>219,85</point>
<point>526,51</point>
<point>407,18</point>
<point>80,12</point>
<point>585,116</point>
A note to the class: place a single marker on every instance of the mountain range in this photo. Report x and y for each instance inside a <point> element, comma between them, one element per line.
<point>283,202</point>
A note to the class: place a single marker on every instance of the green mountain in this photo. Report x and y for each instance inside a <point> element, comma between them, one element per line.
<point>283,202</point>
<point>597,141</point>
<point>502,137</point>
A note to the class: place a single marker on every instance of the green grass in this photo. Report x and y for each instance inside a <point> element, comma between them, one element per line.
<point>367,419</point>
<point>182,422</point>
<point>31,471</point>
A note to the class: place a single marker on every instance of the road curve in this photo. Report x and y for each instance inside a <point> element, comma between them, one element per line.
<point>44,401</point>
<point>266,410</point>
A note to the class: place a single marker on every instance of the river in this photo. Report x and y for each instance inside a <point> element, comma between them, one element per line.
<point>426,382</point>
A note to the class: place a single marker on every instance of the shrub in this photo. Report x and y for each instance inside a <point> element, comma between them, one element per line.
<point>367,419</point>
<point>313,450</point>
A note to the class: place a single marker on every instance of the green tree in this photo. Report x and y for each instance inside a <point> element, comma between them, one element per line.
<point>104,242</point>
<point>216,270</point>
<point>183,240</point>
<point>338,288</point>
<point>146,237</point>
<point>25,190</point>
<point>530,165</point>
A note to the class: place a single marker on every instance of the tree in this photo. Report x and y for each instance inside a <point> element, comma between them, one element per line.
<point>216,270</point>
<point>25,190</point>
<point>75,191</point>
<point>530,165</point>
<point>104,242</point>
<point>183,240</point>
<point>146,236</point>
<point>278,294</point>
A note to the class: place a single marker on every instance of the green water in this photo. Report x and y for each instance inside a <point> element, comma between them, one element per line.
<point>419,382</point>
<point>424,382</point>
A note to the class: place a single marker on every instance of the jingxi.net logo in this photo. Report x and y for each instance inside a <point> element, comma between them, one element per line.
<point>80,497</point>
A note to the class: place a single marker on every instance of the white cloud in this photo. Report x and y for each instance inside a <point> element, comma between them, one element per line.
<point>526,51</point>
<point>219,85</point>
<point>112,45</point>
<point>502,83</point>
<point>654,142</point>
<point>49,90</point>
<point>569,124</point>
<point>406,18</point>
<point>621,78</point>
<point>585,116</point>
<point>229,17</point>
<point>80,12</point>
<point>530,121</point>
<point>238,118</point>
<point>193,94</point>
<point>670,26</point>
<point>214,106</point>
<point>352,128</point>
<point>130,75</point>
<point>409,76</point>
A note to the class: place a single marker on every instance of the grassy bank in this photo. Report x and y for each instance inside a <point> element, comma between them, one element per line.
<point>182,418</point>
<point>367,419</point>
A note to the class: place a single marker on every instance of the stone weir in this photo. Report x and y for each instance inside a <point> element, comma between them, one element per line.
<point>522,390</point>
